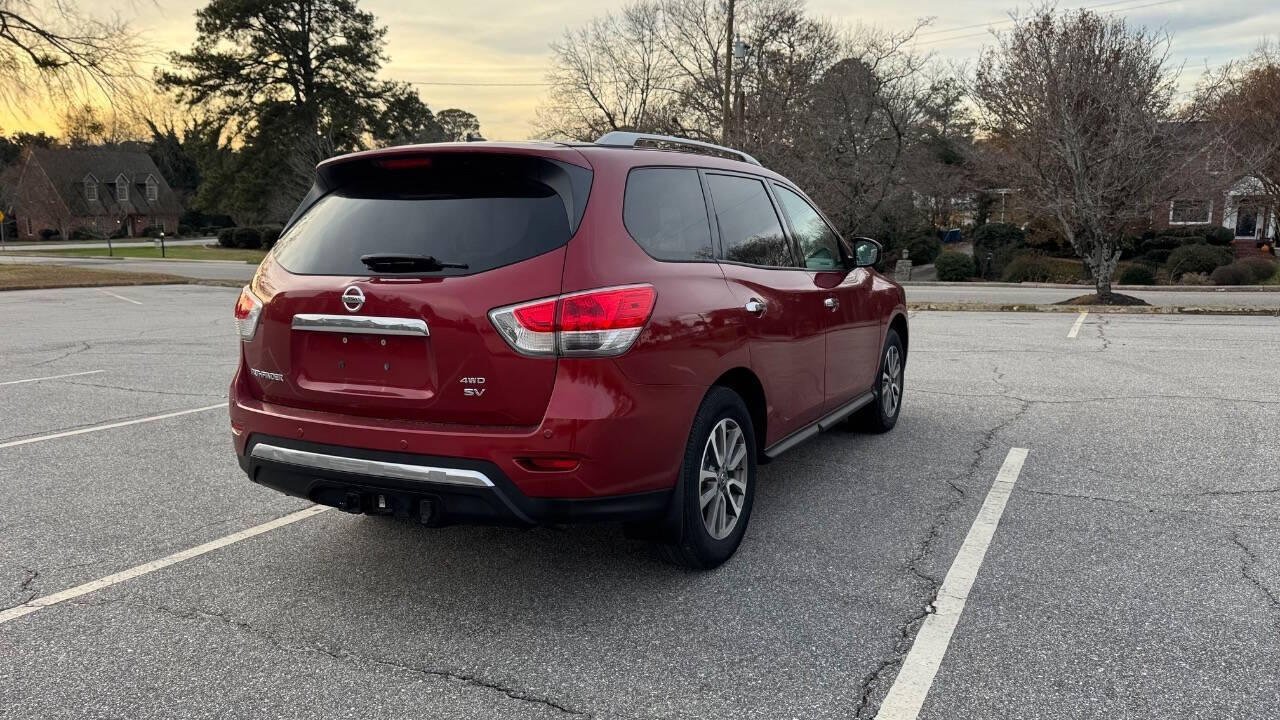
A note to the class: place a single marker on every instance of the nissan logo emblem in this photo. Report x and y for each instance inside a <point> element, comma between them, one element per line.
<point>353,299</point>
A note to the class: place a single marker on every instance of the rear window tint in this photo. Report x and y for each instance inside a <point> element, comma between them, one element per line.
<point>484,212</point>
<point>666,214</point>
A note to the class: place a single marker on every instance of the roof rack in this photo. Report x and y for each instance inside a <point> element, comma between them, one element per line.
<point>669,142</point>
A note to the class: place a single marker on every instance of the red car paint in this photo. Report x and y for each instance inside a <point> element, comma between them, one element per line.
<point>625,420</point>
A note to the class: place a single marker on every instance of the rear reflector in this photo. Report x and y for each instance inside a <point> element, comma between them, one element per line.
<point>593,323</point>
<point>248,310</point>
<point>548,464</point>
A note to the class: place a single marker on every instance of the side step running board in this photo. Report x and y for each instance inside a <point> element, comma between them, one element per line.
<point>826,422</point>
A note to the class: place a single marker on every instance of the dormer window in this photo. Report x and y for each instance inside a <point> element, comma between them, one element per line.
<point>153,189</point>
<point>122,188</point>
<point>90,188</point>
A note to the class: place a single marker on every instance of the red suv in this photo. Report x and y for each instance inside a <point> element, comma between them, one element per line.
<point>528,333</point>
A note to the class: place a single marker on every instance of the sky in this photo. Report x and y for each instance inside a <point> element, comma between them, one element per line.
<point>490,57</point>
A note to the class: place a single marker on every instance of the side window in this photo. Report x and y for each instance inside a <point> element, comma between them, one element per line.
<point>818,244</point>
<point>749,227</point>
<point>665,212</point>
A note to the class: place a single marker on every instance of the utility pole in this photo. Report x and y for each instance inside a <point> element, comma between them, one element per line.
<point>728,75</point>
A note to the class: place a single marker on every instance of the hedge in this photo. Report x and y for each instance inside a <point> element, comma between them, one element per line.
<point>1197,259</point>
<point>227,237</point>
<point>994,246</point>
<point>1137,275</point>
<point>954,266</point>
<point>1260,268</point>
<point>247,238</point>
<point>1233,274</point>
<point>1030,267</point>
<point>269,233</point>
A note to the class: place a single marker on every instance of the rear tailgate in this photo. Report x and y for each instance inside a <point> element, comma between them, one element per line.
<point>338,336</point>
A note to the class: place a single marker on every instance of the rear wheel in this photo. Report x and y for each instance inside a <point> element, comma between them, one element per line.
<point>882,414</point>
<point>717,487</point>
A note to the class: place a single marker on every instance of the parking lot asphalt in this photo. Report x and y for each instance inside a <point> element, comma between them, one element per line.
<point>1134,573</point>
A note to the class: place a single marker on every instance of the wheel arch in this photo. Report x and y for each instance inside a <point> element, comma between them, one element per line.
<point>899,325</point>
<point>748,387</point>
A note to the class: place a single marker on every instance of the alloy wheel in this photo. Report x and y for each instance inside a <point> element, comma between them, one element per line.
<point>722,479</point>
<point>891,381</point>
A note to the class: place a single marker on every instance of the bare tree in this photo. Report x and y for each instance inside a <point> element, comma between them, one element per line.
<point>1241,104</point>
<point>607,75</point>
<point>1081,106</point>
<point>71,55</point>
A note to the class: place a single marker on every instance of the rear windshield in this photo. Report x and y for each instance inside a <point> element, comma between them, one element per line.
<point>480,211</point>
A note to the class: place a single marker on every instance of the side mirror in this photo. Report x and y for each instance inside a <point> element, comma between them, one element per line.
<point>866,252</point>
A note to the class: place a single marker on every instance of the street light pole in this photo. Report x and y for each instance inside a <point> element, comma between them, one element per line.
<point>727,118</point>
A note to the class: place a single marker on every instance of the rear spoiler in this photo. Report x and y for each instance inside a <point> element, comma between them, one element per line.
<point>572,183</point>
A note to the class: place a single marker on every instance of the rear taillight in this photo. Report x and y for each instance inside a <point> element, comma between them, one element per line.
<point>248,310</point>
<point>596,322</point>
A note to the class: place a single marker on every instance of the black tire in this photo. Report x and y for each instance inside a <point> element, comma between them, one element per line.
<point>698,547</point>
<point>878,417</point>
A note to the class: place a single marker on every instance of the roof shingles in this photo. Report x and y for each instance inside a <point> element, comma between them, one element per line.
<point>68,170</point>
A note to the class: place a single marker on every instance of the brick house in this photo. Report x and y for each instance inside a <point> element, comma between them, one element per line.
<point>108,192</point>
<point>1240,206</point>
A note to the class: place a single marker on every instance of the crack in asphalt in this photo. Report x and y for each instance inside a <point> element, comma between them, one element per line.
<point>141,390</point>
<point>342,654</point>
<point>76,349</point>
<point>1102,335</point>
<point>872,681</point>
<point>1251,559</point>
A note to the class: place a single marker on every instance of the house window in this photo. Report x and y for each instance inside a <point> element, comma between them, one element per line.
<point>30,231</point>
<point>1190,212</point>
<point>153,189</point>
<point>122,189</point>
<point>91,191</point>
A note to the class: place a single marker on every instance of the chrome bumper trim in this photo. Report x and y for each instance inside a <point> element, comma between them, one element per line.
<point>373,468</point>
<point>361,324</point>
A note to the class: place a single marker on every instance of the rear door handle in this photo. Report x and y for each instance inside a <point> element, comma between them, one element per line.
<point>831,303</point>
<point>755,306</point>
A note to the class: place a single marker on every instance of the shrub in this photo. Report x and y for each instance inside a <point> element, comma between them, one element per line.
<point>1194,279</point>
<point>1197,259</point>
<point>1043,235</point>
<point>1260,268</point>
<point>186,230</point>
<point>247,238</point>
<point>1033,267</point>
<point>954,266</point>
<point>1233,274</point>
<point>1220,236</point>
<point>270,233</point>
<point>924,248</point>
<point>49,234</point>
<point>994,245</point>
<point>1138,275</point>
<point>1154,258</point>
<point>227,237</point>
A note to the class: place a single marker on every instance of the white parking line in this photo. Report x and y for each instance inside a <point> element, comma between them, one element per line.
<point>1075,329</point>
<point>909,689</point>
<point>108,426</point>
<point>118,297</point>
<point>39,603</point>
<point>51,377</point>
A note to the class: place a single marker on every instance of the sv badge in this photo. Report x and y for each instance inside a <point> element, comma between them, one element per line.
<point>473,392</point>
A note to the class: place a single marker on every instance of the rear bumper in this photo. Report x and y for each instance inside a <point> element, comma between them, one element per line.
<point>627,439</point>
<point>431,489</point>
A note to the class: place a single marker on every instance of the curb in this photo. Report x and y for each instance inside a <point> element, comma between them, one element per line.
<point>1109,309</point>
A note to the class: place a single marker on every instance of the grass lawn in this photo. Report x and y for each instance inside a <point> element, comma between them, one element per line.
<point>36,277</point>
<point>179,252</point>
